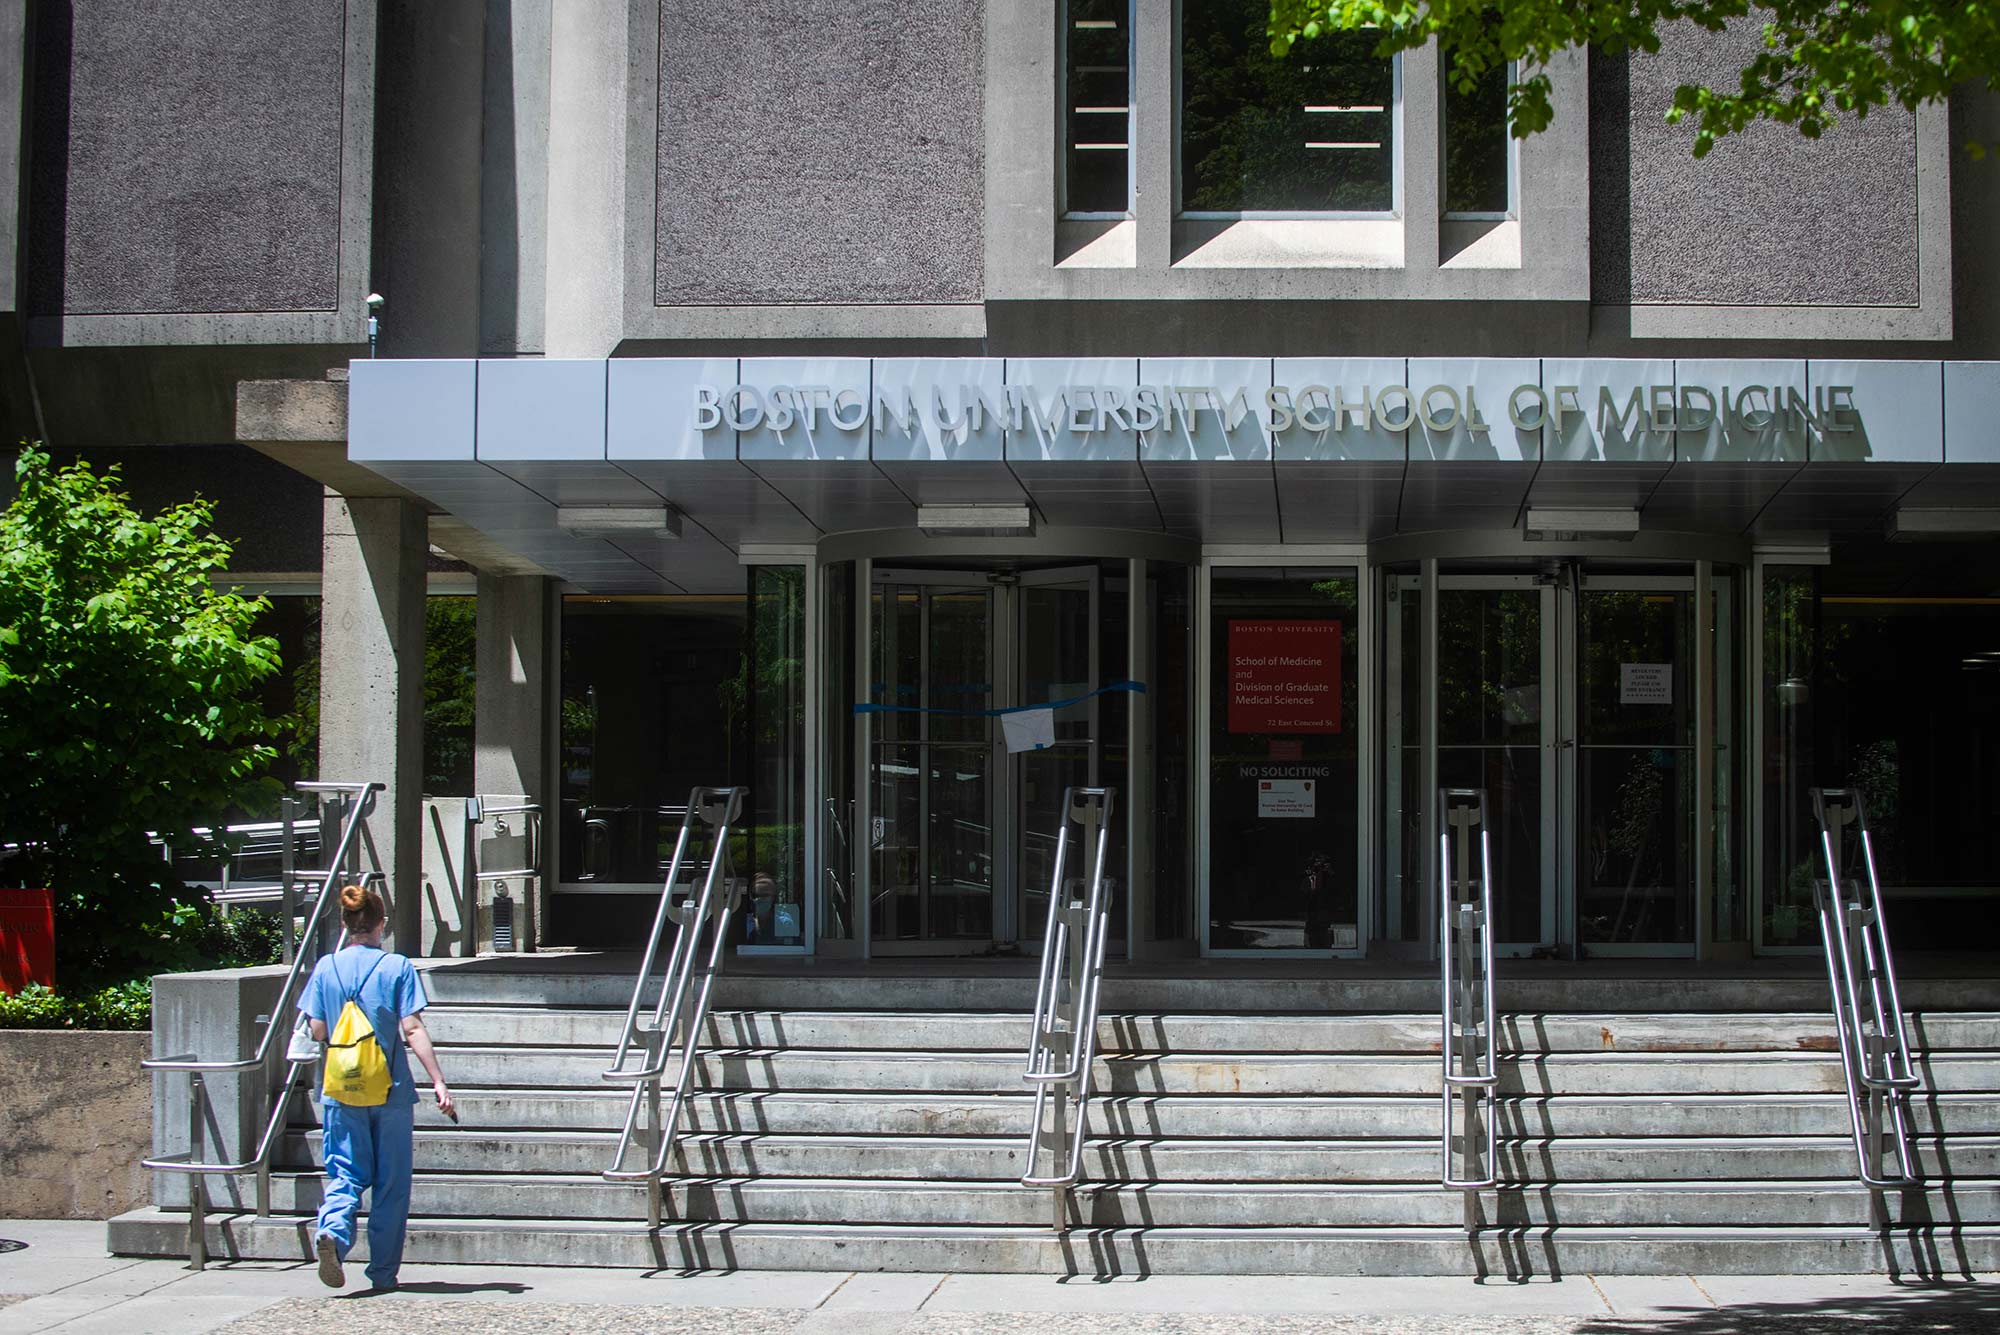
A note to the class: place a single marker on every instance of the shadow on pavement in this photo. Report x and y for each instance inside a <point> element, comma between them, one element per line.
<point>1961,1307</point>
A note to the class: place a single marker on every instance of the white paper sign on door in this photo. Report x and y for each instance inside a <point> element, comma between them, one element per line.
<point>1284,799</point>
<point>1645,683</point>
<point>1029,729</point>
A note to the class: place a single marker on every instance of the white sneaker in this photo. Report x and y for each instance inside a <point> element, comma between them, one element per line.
<point>330,1273</point>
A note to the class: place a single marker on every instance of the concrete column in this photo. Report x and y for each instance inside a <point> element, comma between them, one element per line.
<point>371,681</point>
<point>510,718</point>
<point>511,725</point>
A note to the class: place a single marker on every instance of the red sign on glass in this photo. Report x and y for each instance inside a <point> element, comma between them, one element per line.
<point>1284,676</point>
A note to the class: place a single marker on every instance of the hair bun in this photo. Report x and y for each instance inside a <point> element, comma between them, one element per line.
<point>352,897</point>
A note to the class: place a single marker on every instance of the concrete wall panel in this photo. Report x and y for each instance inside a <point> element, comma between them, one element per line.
<point>188,156</point>
<point>1767,218</point>
<point>820,151</point>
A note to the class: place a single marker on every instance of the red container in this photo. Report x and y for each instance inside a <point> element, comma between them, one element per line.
<point>27,939</point>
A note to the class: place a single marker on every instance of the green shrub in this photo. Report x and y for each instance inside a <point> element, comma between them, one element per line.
<point>124,1006</point>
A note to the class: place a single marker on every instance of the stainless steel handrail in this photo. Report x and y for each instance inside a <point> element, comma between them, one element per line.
<point>1867,1005</point>
<point>358,799</point>
<point>478,810</point>
<point>674,1019</point>
<point>1062,1044</point>
<point>1470,1042</point>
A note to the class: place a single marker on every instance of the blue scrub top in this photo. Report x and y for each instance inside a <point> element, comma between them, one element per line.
<point>390,993</point>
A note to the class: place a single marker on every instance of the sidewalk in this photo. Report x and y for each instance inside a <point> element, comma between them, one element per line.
<point>62,1281</point>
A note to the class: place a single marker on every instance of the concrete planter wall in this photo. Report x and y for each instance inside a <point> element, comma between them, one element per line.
<point>76,1117</point>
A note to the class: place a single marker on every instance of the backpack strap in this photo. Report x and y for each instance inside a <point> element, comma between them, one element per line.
<point>355,995</point>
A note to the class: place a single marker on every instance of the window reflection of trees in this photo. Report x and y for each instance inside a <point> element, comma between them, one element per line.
<point>1245,127</point>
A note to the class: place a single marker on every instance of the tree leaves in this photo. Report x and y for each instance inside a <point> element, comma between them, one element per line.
<point>127,698</point>
<point>1818,62</point>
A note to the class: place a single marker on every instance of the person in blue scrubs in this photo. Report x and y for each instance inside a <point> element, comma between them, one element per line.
<point>368,1149</point>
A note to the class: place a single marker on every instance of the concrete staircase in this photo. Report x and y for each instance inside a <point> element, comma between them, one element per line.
<point>1300,1136</point>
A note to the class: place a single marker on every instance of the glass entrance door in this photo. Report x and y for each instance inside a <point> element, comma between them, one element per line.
<point>1634,765</point>
<point>1056,659</point>
<point>963,832</point>
<point>1569,695</point>
<point>931,764</point>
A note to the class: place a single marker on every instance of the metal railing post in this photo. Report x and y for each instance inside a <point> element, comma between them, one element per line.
<point>1469,1043</point>
<point>354,801</point>
<point>680,1013</point>
<point>1062,1043</point>
<point>197,1184</point>
<point>1867,1003</point>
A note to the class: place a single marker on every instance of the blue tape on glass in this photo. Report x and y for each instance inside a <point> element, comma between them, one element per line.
<point>1138,686</point>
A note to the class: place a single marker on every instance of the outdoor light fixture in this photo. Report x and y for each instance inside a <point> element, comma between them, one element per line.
<point>619,521</point>
<point>1942,524</point>
<point>975,521</point>
<point>1580,525</point>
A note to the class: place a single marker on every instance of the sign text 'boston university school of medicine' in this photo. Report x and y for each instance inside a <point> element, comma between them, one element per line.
<point>1083,410</point>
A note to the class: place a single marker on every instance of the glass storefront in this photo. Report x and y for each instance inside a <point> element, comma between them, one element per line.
<point>1605,704</point>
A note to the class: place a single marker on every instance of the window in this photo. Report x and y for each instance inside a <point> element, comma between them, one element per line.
<point>1313,132</point>
<point>1097,136</point>
<point>1478,154</point>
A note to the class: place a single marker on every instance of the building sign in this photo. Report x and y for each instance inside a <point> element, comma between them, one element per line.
<point>1286,799</point>
<point>1645,683</point>
<point>1284,676</point>
<point>1084,410</point>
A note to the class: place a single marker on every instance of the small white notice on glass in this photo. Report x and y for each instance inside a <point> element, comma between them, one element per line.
<point>1285,798</point>
<point>1028,729</point>
<point>1645,683</point>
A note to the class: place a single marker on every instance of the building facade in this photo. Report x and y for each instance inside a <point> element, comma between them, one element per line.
<point>832,399</point>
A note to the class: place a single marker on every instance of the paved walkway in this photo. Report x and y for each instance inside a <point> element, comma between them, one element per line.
<point>60,1280</point>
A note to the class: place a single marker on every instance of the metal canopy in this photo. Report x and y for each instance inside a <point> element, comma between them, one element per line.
<point>1222,451</point>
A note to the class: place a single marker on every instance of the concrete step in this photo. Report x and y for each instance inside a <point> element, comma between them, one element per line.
<point>1217,1073</point>
<point>1218,1116</point>
<point>1171,1204</point>
<point>974,1031</point>
<point>1195,989</point>
<point>1513,1253</point>
<point>975,1159</point>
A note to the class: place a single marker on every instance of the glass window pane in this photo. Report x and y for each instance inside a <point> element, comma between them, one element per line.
<point>1097,41</point>
<point>777,671</point>
<point>1311,132</point>
<point>450,625</point>
<point>652,706</point>
<point>837,833</point>
<point>1791,840</point>
<point>1284,753</point>
<point>1476,146</point>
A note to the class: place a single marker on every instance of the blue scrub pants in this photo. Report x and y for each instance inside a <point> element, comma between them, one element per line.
<point>368,1149</point>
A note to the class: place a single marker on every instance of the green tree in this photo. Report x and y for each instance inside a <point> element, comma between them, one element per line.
<point>127,704</point>
<point>1818,61</point>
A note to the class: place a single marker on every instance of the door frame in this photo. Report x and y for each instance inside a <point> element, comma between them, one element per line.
<point>1349,558</point>
<point>997,599</point>
<point>1010,685</point>
<point>1696,584</point>
<point>1549,746</point>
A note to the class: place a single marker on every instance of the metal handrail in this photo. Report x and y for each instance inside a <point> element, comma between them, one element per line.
<point>674,1019</point>
<point>358,799</point>
<point>1062,1044</point>
<point>1470,1042</point>
<point>1867,1005</point>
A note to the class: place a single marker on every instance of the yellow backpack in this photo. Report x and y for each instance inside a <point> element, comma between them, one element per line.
<point>357,1070</point>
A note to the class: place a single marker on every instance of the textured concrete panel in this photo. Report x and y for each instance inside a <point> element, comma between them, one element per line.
<point>817,151</point>
<point>76,1117</point>
<point>1768,218</point>
<point>188,156</point>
